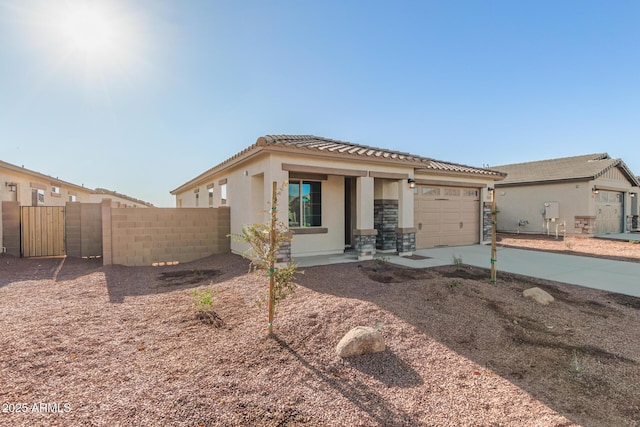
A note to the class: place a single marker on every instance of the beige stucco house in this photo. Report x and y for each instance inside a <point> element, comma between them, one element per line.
<point>588,194</point>
<point>344,195</point>
<point>31,188</point>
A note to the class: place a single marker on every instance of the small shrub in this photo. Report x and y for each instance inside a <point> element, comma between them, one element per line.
<point>568,244</point>
<point>203,300</point>
<point>457,261</point>
<point>576,368</point>
<point>381,263</point>
<point>454,283</point>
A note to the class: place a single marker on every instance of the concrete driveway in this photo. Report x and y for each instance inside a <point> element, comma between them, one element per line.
<point>614,276</point>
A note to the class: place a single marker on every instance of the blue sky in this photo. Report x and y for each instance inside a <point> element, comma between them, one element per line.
<point>186,84</point>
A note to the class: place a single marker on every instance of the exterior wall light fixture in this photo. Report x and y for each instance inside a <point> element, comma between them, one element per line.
<point>595,190</point>
<point>412,183</point>
<point>12,186</point>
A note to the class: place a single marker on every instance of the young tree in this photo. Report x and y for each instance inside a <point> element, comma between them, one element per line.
<point>264,240</point>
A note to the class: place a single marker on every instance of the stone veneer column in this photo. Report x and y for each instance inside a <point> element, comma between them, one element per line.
<point>365,243</point>
<point>486,222</point>
<point>385,221</point>
<point>284,251</point>
<point>406,241</point>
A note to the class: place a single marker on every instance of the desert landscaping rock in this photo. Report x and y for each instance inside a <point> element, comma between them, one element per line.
<point>538,295</point>
<point>360,340</point>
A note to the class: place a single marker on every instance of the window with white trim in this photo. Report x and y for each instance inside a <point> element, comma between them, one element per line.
<point>210,192</point>
<point>223,194</point>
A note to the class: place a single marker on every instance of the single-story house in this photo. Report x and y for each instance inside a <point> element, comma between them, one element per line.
<point>342,195</point>
<point>31,188</point>
<point>587,195</point>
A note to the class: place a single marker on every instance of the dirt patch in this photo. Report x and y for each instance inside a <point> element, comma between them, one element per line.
<point>187,277</point>
<point>626,300</point>
<point>210,317</point>
<point>121,347</point>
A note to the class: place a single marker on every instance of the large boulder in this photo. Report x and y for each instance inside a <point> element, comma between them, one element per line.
<point>538,295</point>
<point>360,340</point>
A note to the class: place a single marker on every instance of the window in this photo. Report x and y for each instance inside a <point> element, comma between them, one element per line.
<point>55,190</point>
<point>210,191</point>
<point>223,194</point>
<point>72,198</point>
<point>431,191</point>
<point>305,203</point>
<point>37,197</point>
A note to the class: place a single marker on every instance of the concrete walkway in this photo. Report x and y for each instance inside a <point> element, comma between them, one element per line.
<point>614,276</point>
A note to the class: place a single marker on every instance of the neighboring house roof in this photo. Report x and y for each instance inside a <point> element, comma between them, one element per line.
<point>122,196</point>
<point>314,145</point>
<point>576,168</point>
<point>58,182</point>
<point>54,180</point>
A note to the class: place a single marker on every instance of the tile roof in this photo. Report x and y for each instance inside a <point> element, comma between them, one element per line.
<point>122,196</point>
<point>319,144</point>
<point>588,166</point>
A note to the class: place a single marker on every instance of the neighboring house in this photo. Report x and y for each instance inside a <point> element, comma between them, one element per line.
<point>342,195</point>
<point>30,188</point>
<point>589,194</point>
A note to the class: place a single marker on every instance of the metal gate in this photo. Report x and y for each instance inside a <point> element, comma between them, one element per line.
<point>42,230</point>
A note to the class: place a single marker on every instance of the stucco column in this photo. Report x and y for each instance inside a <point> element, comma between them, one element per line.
<point>405,204</point>
<point>107,244</point>
<point>365,233</point>
<point>364,203</point>
<point>406,232</point>
<point>276,174</point>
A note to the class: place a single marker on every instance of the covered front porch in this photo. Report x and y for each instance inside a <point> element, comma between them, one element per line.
<point>363,212</point>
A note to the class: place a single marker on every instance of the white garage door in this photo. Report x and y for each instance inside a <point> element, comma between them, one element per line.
<point>446,216</point>
<point>609,212</point>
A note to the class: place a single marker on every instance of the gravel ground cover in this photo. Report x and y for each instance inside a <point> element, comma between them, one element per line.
<point>83,344</point>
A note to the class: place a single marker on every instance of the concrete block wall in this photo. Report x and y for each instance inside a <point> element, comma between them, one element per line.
<point>139,237</point>
<point>83,228</point>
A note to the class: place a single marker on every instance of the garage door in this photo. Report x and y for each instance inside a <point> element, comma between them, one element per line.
<point>609,212</point>
<point>446,216</point>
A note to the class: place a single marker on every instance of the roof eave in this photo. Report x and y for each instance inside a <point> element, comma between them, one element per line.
<point>39,175</point>
<point>540,182</point>
<point>494,176</point>
<point>243,155</point>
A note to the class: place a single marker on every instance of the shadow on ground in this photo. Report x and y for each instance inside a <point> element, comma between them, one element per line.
<point>125,281</point>
<point>15,269</point>
<point>358,393</point>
